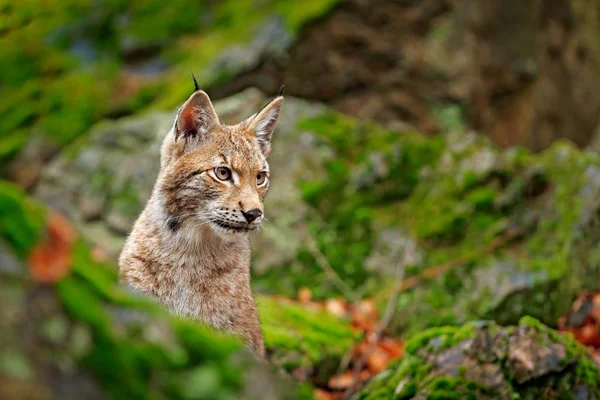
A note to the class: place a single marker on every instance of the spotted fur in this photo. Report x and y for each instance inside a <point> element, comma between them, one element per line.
<point>189,247</point>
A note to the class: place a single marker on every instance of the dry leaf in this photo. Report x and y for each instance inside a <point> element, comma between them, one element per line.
<point>393,347</point>
<point>99,254</point>
<point>50,260</point>
<point>364,315</point>
<point>343,381</point>
<point>347,379</point>
<point>377,360</point>
<point>337,307</point>
<point>304,295</point>
<point>320,394</point>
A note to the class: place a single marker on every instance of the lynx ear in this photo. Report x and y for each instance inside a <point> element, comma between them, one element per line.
<point>196,117</point>
<point>264,122</point>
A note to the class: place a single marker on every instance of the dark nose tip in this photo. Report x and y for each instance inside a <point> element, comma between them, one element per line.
<point>252,214</point>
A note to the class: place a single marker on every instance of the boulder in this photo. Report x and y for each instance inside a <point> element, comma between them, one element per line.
<point>69,331</point>
<point>479,232</point>
<point>482,360</point>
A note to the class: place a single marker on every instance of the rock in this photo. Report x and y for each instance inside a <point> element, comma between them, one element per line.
<point>482,360</point>
<point>271,41</point>
<point>87,336</point>
<point>135,66</point>
<point>374,200</point>
<point>453,55</point>
<point>9,264</point>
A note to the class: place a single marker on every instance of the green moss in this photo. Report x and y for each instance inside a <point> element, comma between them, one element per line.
<point>586,371</point>
<point>417,372</point>
<point>370,169</point>
<point>131,346</point>
<point>299,336</point>
<point>21,222</point>
<point>466,204</point>
<point>62,61</point>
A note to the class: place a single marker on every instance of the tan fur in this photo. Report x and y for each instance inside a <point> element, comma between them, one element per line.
<point>189,247</point>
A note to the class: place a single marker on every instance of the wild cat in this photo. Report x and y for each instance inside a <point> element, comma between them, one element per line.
<point>189,247</point>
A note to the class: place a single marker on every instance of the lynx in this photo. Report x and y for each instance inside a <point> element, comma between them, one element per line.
<point>189,247</point>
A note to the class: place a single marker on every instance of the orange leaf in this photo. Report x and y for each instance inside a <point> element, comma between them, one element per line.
<point>342,381</point>
<point>377,360</point>
<point>347,379</point>
<point>393,347</point>
<point>50,259</point>
<point>364,315</point>
<point>320,394</point>
<point>336,307</point>
<point>99,254</point>
<point>304,295</point>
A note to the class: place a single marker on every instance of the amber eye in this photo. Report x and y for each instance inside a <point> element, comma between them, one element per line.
<point>260,178</point>
<point>223,173</point>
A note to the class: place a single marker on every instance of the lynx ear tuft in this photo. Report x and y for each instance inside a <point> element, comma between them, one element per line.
<point>196,86</point>
<point>196,117</point>
<point>263,124</point>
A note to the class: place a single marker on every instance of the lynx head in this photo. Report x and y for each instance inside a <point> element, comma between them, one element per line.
<point>213,174</point>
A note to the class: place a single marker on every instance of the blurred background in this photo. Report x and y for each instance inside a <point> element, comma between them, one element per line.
<point>435,164</point>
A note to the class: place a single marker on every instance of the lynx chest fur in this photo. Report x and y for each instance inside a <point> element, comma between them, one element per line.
<point>189,248</point>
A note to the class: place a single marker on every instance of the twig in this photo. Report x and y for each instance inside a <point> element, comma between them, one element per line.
<point>383,324</point>
<point>437,270</point>
<point>323,262</point>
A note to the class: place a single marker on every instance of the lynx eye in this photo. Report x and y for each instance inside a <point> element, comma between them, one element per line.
<point>223,173</point>
<point>260,178</point>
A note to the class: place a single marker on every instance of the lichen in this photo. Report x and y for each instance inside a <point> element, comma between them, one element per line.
<point>132,347</point>
<point>62,59</point>
<point>510,233</point>
<point>421,374</point>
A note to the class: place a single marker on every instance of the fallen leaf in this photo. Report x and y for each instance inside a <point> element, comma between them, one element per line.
<point>342,381</point>
<point>50,259</point>
<point>589,335</point>
<point>99,254</point>
<point>393,347</point>
<point>304,295</point>
<point>377,360</point>
<point>320,394</point>
<point>347,379</point>
<point>337,307</point>
<point>364,315</point>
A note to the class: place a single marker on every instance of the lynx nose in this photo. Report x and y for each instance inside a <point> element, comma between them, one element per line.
<point>252,214</point>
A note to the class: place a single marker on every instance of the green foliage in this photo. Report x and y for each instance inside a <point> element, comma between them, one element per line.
<point>586,371</point>
<point>21,224</point>
<point>371,168</point>
<point>465,204</point>
<point>415,372</point>
<point>63,62</point>
<point>136,349</point>
<point>299,336</point>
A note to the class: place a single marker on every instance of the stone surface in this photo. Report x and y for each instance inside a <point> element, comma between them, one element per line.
<point>485,361</point>
<point>483,225</point>
<point>441,65</point>
<point>85,336</point>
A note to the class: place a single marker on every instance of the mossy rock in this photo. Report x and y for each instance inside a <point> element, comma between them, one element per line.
<point>510,233</point>
<point>483,360</point>
<point>297,336</point>
<point>53,93</point>
<point>86,329</point>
